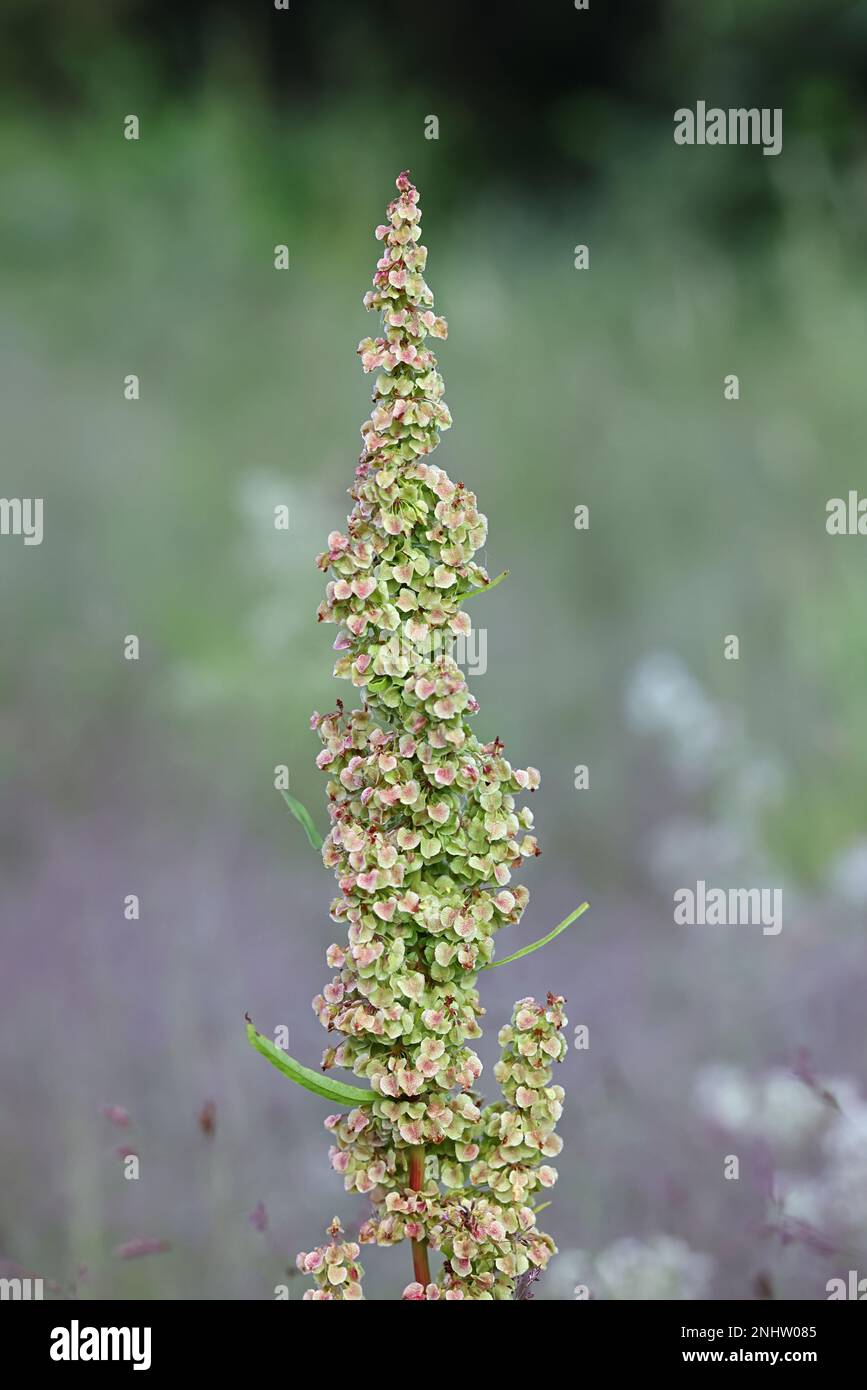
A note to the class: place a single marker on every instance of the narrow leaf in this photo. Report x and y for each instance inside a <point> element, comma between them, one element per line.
<point>315,1081</point>
<point>303,815</point>
<point>534,946</point>
<point>485,588</point>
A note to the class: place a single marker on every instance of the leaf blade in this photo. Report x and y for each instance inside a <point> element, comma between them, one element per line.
<point>301,814</point>
<point>317,1082</point>
<point>543,941</point>
<point>484,588</point>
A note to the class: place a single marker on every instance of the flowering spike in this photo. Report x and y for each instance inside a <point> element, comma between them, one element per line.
<point>424,841</point>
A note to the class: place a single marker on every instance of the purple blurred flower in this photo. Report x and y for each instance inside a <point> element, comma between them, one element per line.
<point>258,1217</point>
<point>142,1245</point>
<point>116,1115</point>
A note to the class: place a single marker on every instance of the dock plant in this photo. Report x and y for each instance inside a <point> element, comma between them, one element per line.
<point>426,837</point>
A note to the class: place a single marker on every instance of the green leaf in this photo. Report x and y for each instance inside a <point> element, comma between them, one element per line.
<point>535,945</point>
<point>315,1081</point>
<point>485,588</point>
<point>303,815</point>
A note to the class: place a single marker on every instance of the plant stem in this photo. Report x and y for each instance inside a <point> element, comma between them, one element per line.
<point>420,1266</point>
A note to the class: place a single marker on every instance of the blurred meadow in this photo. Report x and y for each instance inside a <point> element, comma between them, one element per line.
<point>604,647</point>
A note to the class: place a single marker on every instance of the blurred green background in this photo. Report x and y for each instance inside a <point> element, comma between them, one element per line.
<point>604,648</point>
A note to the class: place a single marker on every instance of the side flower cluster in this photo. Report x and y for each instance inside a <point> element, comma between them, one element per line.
<point>425,838</point>
<point>335,1268</point>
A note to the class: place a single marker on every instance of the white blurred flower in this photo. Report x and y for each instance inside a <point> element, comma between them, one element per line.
<point>801,1199</point>
<point>835,1202</point>
<point>663,698</point>
<point>710,756</point>
<point>845,1209</point>
<point>847,875</point>
<point>789,1111</point>
<point>845,1091</point>
<point>726,1097</point>
<point>777,1107</point>
<point>571,1268</point>
<point>846,1139</point>
<point>661,1267</point>
<point>846,1177</point>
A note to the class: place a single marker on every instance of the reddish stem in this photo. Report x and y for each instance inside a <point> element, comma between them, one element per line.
<point>420,1266</point>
